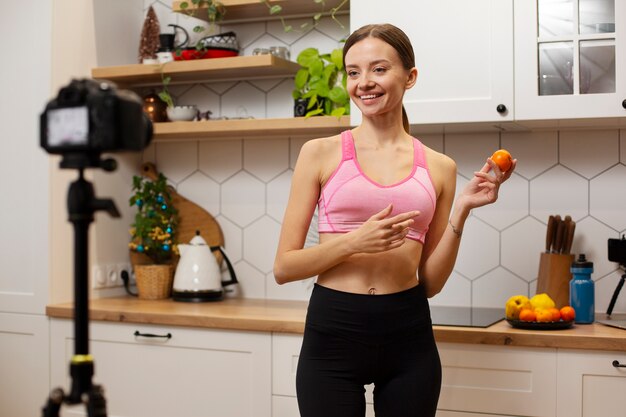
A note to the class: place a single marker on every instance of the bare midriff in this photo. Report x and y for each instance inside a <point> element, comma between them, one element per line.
<point>374,273</point>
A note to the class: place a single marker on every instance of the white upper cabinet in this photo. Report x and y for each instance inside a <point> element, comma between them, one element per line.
<point>464,56</point>
<point>570,59</point>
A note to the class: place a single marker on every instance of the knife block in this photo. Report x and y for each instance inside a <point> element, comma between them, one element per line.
<point>554,276</point>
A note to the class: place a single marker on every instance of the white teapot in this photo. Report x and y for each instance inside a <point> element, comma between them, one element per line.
<point>198,275</point>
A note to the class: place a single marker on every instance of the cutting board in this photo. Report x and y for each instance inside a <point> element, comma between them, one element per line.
<point>192,217</point>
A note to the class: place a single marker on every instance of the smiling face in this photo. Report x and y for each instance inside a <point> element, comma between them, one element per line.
<point>377,77</point>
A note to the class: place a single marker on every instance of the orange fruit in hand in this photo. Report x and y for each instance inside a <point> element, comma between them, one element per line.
<point>527,314</point>
<point>503,159</point>
<point>544,315</point>
<point>568,313</point>
<point>556,314</point>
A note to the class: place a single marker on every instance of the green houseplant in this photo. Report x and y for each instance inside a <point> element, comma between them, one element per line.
<point>321,83</point>
<point>153,237</point>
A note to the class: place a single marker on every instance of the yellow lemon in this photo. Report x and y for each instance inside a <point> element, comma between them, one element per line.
<point>514,306</point>
<point>542,301</point>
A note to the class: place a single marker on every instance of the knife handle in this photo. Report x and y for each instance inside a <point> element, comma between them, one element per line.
<point>549,233</point>
<point>555,229</point>
<point>567,246</point>
<point>558,243</point>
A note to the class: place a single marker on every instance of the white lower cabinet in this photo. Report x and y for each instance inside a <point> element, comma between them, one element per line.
<point>497,380</point>
<point>589,385</point>
<point>478,380</point>
<point>24,367</point>
<point>191,372</point>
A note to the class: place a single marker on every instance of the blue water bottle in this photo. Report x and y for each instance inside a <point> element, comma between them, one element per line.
<point>581,290</point>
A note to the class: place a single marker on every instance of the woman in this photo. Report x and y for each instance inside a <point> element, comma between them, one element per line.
<point>388,241</point>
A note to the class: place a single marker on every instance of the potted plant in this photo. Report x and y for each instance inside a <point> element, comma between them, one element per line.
<point>153,237</point>
<point>320,84</point>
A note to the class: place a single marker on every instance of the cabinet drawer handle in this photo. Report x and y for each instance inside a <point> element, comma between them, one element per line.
<point>618,365</point>
<point>164,336</point>
<point>501,108</point>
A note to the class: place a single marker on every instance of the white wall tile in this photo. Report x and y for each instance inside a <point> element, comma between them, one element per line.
<point>251,282</point>
<point>177,160</point>
<point>201,190</point>
<point>203,97</point>
<point>220,159</point>
<point>260,240</point>
<point>233,238</point>
<point>559,191</point>
<point>267,158</point>
<point>281,100</point>
<point>521,245</point>
<point>494,288</point>
<point>243,100</point>
<point>294,150</point>
<point>470,151</point>
<point>536,152</point>
<point>607,197</point>
<point>622,146</point>
<point>278,195</point>
<point>480,249</point>
<point>589,152</point>
<point>511,206</point>
<point>456,292</point>
<point>604,289</point>
<point>276,29</point>
<point>243,199</point>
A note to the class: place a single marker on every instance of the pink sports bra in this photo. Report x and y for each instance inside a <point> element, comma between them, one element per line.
<point>349,197</point>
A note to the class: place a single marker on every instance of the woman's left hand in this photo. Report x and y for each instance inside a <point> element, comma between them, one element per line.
<point>483,187</point>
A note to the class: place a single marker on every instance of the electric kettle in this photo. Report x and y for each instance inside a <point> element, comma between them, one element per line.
<point>198,275</point>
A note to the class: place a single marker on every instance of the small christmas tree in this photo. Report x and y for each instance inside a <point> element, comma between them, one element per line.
<point>149,43</point>
<point>154,230</point>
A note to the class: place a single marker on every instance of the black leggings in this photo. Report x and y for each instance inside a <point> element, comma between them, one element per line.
<point>351,340</point>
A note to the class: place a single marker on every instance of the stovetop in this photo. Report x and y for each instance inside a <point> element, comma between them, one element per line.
<point>465,316</point>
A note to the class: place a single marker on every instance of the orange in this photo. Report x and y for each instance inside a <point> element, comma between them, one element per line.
<point>544,315</point>
<point>527,314</point>
<point>503,159</point>
<point>568,313</point>
<point>556,314</point>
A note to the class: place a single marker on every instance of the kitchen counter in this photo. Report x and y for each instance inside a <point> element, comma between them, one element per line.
<point>288,317</point>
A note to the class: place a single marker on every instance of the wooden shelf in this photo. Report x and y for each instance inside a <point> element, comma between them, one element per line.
<point>200,70</point>
<point>257,128</point>
<point>251,10</point>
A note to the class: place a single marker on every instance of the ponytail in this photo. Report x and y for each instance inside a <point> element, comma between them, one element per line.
<point>405,121</point>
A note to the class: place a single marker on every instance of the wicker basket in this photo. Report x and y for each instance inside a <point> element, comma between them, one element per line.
<point>154,282</point>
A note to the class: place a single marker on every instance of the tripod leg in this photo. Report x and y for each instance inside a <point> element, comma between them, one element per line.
<point>96,407</point>
<point>55,400</point>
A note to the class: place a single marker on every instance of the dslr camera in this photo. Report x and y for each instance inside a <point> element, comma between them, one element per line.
<point>89,117</point>
<point>617,250</point>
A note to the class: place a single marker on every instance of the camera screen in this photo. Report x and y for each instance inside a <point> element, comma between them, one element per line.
<point>68,126</point>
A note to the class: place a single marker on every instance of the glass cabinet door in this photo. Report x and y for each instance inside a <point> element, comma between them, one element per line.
<point>576,46</point>
<point>570,61</point>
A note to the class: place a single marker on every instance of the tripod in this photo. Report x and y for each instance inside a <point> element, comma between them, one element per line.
<point>82,204</point>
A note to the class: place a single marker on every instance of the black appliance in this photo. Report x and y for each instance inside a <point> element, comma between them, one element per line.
<point>465,316</point>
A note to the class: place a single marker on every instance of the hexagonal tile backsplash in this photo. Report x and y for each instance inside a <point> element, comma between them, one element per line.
<point>245,183</point>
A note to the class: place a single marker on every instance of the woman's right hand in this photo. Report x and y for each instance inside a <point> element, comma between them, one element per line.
<point>381,233</point>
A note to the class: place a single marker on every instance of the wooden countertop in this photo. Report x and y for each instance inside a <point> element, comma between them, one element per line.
<point>288,317</point>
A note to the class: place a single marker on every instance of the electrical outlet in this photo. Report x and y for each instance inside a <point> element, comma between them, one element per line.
<point>98,277</point>
<point>112,276</point>
<point>124,267</point>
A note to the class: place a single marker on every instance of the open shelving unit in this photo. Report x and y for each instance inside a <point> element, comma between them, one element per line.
<point>199,70</point>
<point>251,10</point>
<point>250,128</point>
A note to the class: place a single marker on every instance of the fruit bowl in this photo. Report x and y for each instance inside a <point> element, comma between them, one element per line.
<point>541,325</point>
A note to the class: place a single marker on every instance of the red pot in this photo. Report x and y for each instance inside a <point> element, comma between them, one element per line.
<point>193,53</point>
